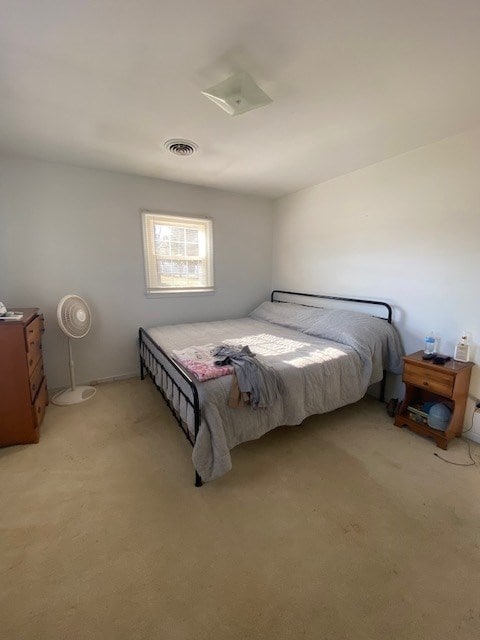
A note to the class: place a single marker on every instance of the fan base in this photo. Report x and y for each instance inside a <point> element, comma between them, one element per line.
<point>74,396</point>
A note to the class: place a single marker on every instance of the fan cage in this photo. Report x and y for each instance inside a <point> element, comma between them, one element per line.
<point>74,316</point>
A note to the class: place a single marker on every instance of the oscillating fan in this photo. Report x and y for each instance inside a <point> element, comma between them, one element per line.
<point>75,320</point>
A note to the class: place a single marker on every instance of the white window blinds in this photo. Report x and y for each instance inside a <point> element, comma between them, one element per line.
<point>178,253</point>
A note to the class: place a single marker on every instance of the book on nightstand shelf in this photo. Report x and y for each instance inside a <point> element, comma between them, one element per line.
<point>417,414</point>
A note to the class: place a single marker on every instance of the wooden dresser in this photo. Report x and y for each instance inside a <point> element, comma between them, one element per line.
<point>23,386</point>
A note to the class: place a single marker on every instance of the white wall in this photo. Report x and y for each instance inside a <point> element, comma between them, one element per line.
<point>65,229</point>
<point>406,231</point>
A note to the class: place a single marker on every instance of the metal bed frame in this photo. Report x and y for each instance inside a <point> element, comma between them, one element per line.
<point>166,369</point>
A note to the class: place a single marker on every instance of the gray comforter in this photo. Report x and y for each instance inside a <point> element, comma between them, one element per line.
<point>325,359</point>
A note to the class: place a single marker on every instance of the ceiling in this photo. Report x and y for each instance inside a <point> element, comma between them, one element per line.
<point>104,83</point>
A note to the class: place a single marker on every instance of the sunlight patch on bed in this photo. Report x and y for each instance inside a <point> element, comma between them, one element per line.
<point>265,344</point>
<point>317,355</point>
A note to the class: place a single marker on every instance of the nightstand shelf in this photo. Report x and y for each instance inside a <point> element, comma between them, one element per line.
<point>428,382</point>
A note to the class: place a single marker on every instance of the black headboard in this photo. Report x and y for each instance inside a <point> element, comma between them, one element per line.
<point>325,297</point>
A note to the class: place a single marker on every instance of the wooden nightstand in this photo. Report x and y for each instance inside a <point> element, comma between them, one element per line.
<point>428,382</point>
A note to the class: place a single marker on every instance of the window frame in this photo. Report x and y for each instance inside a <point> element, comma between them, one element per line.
<point>152,285</point>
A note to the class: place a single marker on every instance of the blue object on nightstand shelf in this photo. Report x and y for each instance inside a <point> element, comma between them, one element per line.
<point>439,416</point>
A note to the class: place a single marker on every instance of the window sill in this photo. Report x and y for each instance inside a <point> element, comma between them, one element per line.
<point>179,293</point>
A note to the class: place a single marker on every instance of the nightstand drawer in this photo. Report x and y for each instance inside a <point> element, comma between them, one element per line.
<point>435,381</point>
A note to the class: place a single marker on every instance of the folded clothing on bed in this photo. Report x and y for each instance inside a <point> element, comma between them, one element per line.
<point>201,362</point>
<point>252,376</point>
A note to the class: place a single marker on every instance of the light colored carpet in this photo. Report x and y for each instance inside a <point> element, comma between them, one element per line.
<point>343,528</point>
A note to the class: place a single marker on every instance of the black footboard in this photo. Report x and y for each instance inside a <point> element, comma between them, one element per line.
<point>159,365</point>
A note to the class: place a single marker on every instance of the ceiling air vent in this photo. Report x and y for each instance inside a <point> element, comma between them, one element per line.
<point>181,147</point>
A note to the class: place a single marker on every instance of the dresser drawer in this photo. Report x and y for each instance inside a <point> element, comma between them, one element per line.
<point>34,356</point>
<point>436,381</point>
<point>33,338</point>
<point>36,379</point>
<point>40,404</point>
<point>34,331</point>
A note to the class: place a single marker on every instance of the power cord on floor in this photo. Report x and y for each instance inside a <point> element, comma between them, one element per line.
<point>461,464</point>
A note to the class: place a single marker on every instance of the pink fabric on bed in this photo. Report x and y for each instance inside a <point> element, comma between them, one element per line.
<point>200,362</point>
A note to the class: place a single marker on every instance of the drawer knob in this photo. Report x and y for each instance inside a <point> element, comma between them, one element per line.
<point>34,386</point>
<point>425,384</point>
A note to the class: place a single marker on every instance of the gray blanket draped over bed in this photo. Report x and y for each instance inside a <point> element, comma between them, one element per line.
<point>325,358</point>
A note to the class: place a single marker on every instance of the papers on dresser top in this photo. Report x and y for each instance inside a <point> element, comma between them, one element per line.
<point>13,317</point>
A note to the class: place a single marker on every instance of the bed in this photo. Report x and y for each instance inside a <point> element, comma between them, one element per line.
<point>324,357</point>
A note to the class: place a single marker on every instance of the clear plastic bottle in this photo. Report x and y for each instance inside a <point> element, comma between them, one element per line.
<point>430,344</point>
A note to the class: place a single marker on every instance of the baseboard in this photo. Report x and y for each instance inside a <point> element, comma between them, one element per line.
<point>123,376</point>
<point>473,436</point>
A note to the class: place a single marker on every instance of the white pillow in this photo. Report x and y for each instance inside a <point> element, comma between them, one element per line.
<point>287,314</point>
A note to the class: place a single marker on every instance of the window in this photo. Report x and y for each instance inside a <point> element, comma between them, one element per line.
<point>178,253</point>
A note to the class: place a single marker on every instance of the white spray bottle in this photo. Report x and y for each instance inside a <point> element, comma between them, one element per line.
<point>462,350</point>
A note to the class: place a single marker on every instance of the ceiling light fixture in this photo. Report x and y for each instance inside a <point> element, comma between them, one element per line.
<point>181,147</point>
<point>237,94</point>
